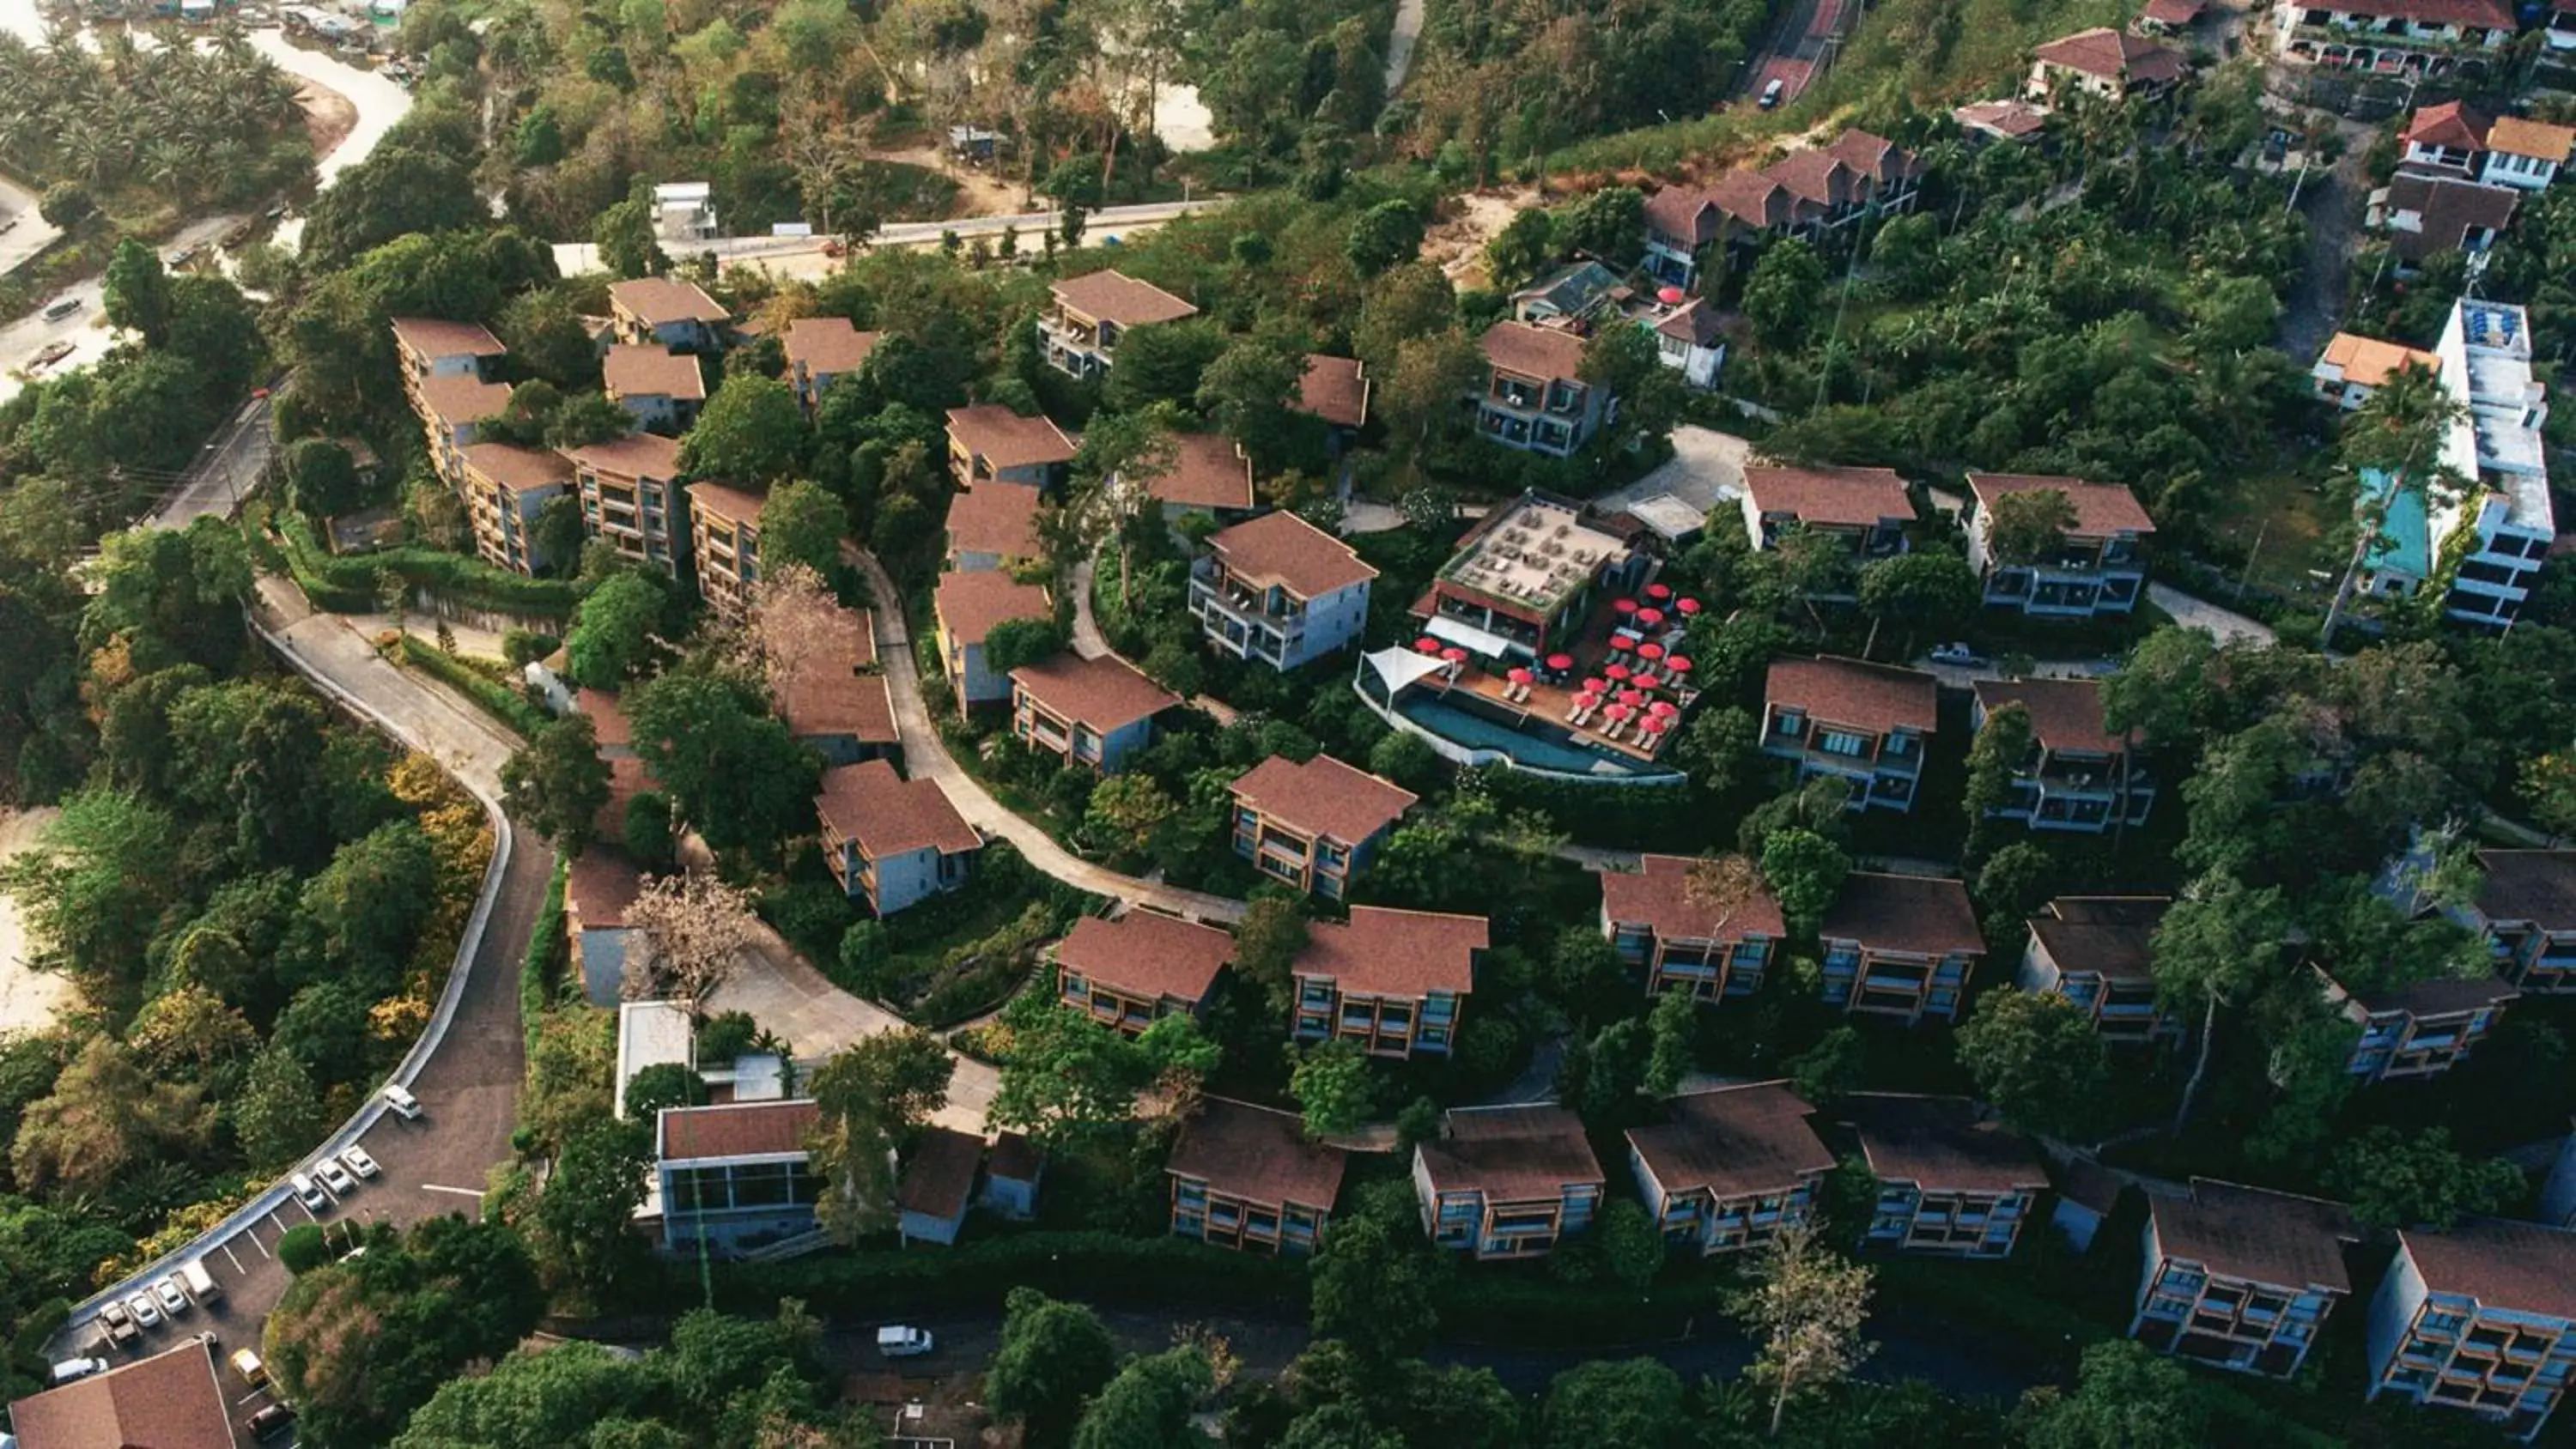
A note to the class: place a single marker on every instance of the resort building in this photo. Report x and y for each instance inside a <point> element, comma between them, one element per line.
<point>993,529</point>
<point>431,347</point>
<point>936,1185</point>
<point>630,496</point>
<point>832,694</point>
<point>2096,565</point>
<point>989,443</point>
<point>892,842</point>
<point>1899,946</point>
<point>1866,511</point>
<point>1507,1182</point>
<point>662,389</point>
<point>1533,396</point>
<point>1208,474</point>
<point>1314,826</point>
<point>1952,1180</point>
<point>1808,193</point>
<point>964,609</point>
<point>2526,909</point>
<point>1245,1177</point>
<point>1089,314</point>
<point>2241,1277</point>
<point>1732,1167</point>
<point>734,1177</point>
<point>2508,151</point>
<point>2420,1029</point>
<point>724,544</point>
<point>1392,981</point>
<point>675,314</point>
<point>2414,38</point>
<point>1335,392</point>
<point>1280,590</point>
<point>2353,369</point>
<point>2424,213</point>
<point>2482,1318</point>
<point>2111,64</point>
<point>1524,581</point>
<point>2098,952</point>
<point>170,1400</point>
<point>1865,723</point>
<point>2077,776</point>
<point>452,409</point>
<point>1093,712</point>
<point>1143,966</point>
<point>1653,917</point>
<point>506,488</point>
<point>821,351</point>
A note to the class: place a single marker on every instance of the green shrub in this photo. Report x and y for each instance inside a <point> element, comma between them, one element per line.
<point>350,585</point>
<point>546,946</point>
<point>491,696</point>
<point>523,647</point>
<point>302,1249</point>
<point>1091,1266</point>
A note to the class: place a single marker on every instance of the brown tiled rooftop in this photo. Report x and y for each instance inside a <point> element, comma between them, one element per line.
<point>1510,1154</point>
<point>755,1129</point>
<point>516,469</point>
<point>2369,362</point>
<point>818,700</point>
<point>171,1400</point>
<point>1830,497</point>
<point>1256,1154</point>
<point>2452,124</point>
<point>627,778</point>
<point>2065,714</point>
<point>2015,118</point>
<point>1548,354</point>
<point>2115,55</point>
<point>436,337</point>
<point>1734,1141</point>
<point>1657,895</point>
<point>1117,297</point>
<point>968,605</point>
<point>1939,1144</point>
<point>455,399</point>
<point>2249,1232</point>
<point>889,815</point>
<point>637,455</point>
<point>1106,694</point>
<point>1872,698</point>
<point>723,500</point>
<point>2436,996</point>
<point>938,1179</point>
<point>1147,955</point>
<point>652,370</point>
<point>1875,156</point>
<point>1005,439</point>
<point>658,300</point>
<point>600,884</point>
<point>1208,471</point>
<point>2538,886</point>
<point>1281,548</point>
<point>2111,935</point>
<point>1919,914</point>
<point>2449,206</point>
<point>998,518</point>
<point>2101,509</point>
<point>1392,953</point>
<point>828,346</point>
<point>1323,796</point>
<point>1014,1158</point>
<point>2501,1264</point>
<point>1335,389</point>
<point>1816,176</point>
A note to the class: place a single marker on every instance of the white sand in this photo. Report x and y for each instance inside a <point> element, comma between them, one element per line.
<point>28,998</point>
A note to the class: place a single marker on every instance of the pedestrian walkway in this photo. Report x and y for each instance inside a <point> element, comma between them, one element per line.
<point>2230,626</point>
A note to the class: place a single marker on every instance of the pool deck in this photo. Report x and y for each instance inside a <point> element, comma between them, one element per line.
<point>1551,703</point>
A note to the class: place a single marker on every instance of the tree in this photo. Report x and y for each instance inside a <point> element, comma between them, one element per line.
<point>191,1032</point>
<point>1267,942</point>
<point>2548,788</point>
<point>801,525</point>
<point>1013,643</point>
<point>1054,1356</point>
<point>1372,1287</point>
<point>1386,235</point>
<point>2209,951</point>
<point>302,1248</point>
<point>1332,1087</point>
<point>869,1096</point>
<point>98,879</point>
<point>751,433</point>
<point>690,931</point>
<point>648,830</point>
<point>1631,1243</point>
<point>1808,1309</point>
<point>558,783</point>
<point>1805,872</point>
<point>627,244</point>
<point>2033,1055</point>
<point>663,1084</point>
<point>732,770</point>
<point>2031,525</point>
<point>1250,393</point>
<point>1780,296</point>
<point>138,292</point>
<point>584,420</point>
<point>1673,1027</point>
<point>279,1113</point>
<point>323,477</point>
<point>1609,223</point>
<point>1830,1069</point>
<point>585,1221</point>
<point>2002,747</point>
<point>2397,1180</point>
<point>104,1117</point>
<point>408,185</point>
<point>1635,1403</point>
<point>1128,813</point>
<point>1148,1404</point>
<point>66,204</point>
<point>1068,1079</point>
<point>1932,591</point>
<point>366,908</point>
<point>1521,250</point>
<point>612,638</point>
<point>2126,1397</point>
<point>1718,747</point>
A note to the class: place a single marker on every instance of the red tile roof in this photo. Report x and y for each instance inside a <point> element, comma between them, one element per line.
<point>740,1129</point>
<point>454,398</point>
<point>1548,354</point>
<point>1881,160</point>
<point>1335,389</point>
<point>1917,914</point>
<point>2509,1265</point>
<point>1830,497</point>
<point>658,300</point>
<point>968,605</point>
<point>2065,714</point>
<point>1657,895</point>
<point>2538,886</point>
<point>820,701</point>
<point>2256,1234</point>
<point>828,346</point>
<point>171,1400</point>
<point>1005,439</point>
<point>2171,12</point>
<point>1940,1144</point>
<point>1510,1154</point>
<point>1323,796</point>
<point>1106,694</point>
<point>1872,698</point>
<point>2101,509</point>
<point>1682,212</point>
<point>599,885</point>
<point>2539,140</point>
<point>727,502</point>
<point>1117,297</point>
<point>1816,176</point>
<point>889,815</point>
<point>1734,1141</point>
<point>1281,548</point>
<point>2014,119</point>
<point>938,1179</point>
<point>2115,55</point>
<point>1208,471</point>
<point>2490,14</point>
<point>1392,953</point>
<point>1014,1158</point>
<point>651,370</point>
<point>516,469</point>
<point>998,518</point>
<point>2452,124</point>
<point>637,455</point>
<point>1256,1154</point>
<point>436,337</point>
<point>1147,955</point>
<point>2109,935</point>
<point>1753,199</point>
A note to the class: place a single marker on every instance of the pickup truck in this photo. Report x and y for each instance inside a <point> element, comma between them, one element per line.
<point>119,1324</point>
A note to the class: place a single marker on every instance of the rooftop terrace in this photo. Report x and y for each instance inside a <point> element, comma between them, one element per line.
<point>1536,555</point>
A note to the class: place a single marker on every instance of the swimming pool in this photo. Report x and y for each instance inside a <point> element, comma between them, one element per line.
<point>1537,745</point>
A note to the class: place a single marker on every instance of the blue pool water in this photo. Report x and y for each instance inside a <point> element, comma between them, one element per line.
<point>1531,747</point>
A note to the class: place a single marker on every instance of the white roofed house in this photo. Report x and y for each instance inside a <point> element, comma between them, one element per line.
<point>685,211</point>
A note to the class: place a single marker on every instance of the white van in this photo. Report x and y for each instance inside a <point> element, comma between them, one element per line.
<point>405,1105</point>
<point>73,1370</point>
<point>201,1285</point>
<point>1772,93</point>
<point>899,1341</point>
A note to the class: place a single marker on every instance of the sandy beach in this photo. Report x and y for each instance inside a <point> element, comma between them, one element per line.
<point>28,998</point>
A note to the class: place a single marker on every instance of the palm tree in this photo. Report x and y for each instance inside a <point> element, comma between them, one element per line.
<point>2393,445</point>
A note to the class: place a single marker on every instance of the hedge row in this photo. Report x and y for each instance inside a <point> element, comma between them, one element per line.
<point>537,967</point>
<point>493,697</point>
<point>1101,1268</point>
<point>350,585</point>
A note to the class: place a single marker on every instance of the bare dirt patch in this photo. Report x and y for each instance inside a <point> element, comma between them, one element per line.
<point>979,191</point>
<point>1456,243</point>
<point>329,116</point>
<point>29,998</point>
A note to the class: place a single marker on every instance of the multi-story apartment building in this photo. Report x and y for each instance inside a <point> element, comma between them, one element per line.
<point>2241,1277</point>
<point>1280,590</point>
<point>1246,1177</point>
<point>821,351</point>
<point>453,406</point>
<point>2353,369</point>
<point>2508,151</point>
<point>1207,473</point>
<point>2482,1318</point>
<point>677,314</point>
<point>662,389</point>
<point>831,693</point>
<point>2526,909</point>
<point>1082,327</point>
<point>892,842</point>
<point>1093,712</point>
<point>1732,1167</point>
<point>430,347</point>
<point>2098,565</point>
<point>1507,1182</point>
<point>724,544</point>
<point>993,529</point>
<point>1525,580</point>
<point>734,1177</point>
<point>1866,511</point>
<point>2078,776</point>
<point>2111,64</point>
<point>1899,946</point>
<point>2097,952</point>
<point>2412,37</point>
<point>1143,966</point>
<point>506,487</point>
<point>1952,1180</point>
<point>1314,826</point>
<point>1533,396</point>
<point>1807,193</point>
<point>989,443</point>
<point>630,496</point>
<point>2420,1029</point>
<point>964,610</point>
<point>1685,939</point>
<point>1865,723</point>
<point>1392,981</point>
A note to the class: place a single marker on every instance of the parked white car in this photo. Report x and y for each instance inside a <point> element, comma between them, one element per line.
<point>901,1341</point>
<point>172,1298</point>
<point>313,1198</point>
<point>335,1177</point>
<point>357,1161</point>
<point>141,1306</point>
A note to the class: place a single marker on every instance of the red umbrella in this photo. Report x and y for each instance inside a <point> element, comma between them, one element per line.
<point>1663,709</point>
<point>1454,654</point>
<point>1677,665</point>
<point>1619,642</point>
<point>1560,661</point>
<point>1646,679</point>
<point>1519,676</point>
<point>1687,606</point>
<point>1650,617</point>
<point>1618,672</point>
<point>1659,592</point>
<point>1624,606</point>
<point>1654,724</point>
<point>1426,644</point>
<point>1587,700</point>
<point>1650,651</point>
<point>1620,711</point>
<point>1632,696</point>
<point>1669,296</point>
<point>1595,686</point>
